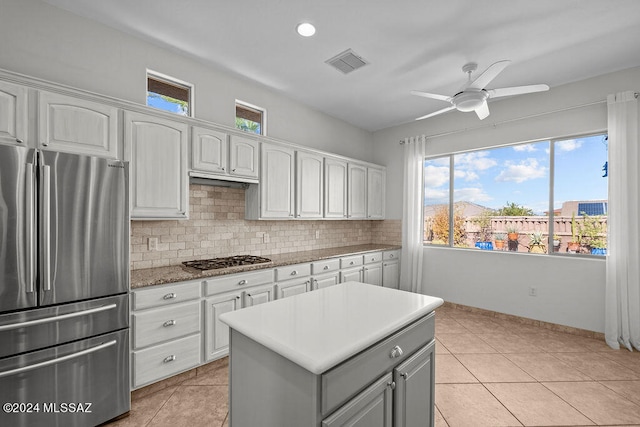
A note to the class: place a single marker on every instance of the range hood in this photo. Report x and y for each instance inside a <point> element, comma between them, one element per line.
<point>220,180</point>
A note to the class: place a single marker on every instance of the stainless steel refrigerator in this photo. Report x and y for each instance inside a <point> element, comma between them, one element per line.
<point>64,280</point>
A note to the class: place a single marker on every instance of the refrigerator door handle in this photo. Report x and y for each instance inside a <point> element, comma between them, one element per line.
<point>30,288</point>
<point>57,360</point>
<point>57,318</point>
<point>46,227</point>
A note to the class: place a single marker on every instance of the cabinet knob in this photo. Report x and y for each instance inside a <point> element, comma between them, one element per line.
<point>242,282</point>
<point>169,358</point>
<point>391,255</point>
<point>404,375</point>
<point>19,141</point>
<point>326,267</point>
<point>351,263</point>
<point>392,385</point>
<point>170,296</point>
<point>233,170</point>
<point>169,323</point>
<point>238,296</point>
<point>396,352</point>
<point>294,272</point>
<point>222,168</point>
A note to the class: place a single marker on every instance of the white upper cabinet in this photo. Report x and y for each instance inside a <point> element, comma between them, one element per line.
<point>276,181</point>
<point>357,194</point>
<point>156,149</point>
<point>335,188</point>
<point>376,183</point>
<point>309,185</point>
<point>209,150</point>
<point>77,125</point>
<point>243,157</point>
<point>13,114</point>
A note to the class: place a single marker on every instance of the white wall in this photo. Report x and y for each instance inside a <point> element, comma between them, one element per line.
<point>570,291</point>
<point>43,41</point>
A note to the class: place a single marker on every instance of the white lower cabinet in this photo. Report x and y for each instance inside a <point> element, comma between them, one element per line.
<point>258,295</point>
<point>391,269</point>
<point>292,287</point>
<point>162,361</point>
<point>324,281</point>
<point>372,272</point>
<point>216,337</point>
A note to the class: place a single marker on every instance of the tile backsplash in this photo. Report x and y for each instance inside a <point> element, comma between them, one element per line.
<point>216,227</point>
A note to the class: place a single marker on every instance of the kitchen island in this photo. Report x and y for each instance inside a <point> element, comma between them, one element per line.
<point>351,354</point>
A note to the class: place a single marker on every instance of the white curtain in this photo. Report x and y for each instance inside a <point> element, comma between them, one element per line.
<point>622,314</point>
<point>411,264</point>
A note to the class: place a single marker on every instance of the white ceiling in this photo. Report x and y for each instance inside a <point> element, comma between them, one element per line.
<point>410,44</point>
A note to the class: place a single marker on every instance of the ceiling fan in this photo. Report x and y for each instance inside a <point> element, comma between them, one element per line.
<point>473,96</point>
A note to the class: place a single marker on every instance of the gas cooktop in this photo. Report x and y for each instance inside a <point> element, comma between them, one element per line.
<point>231,261</point>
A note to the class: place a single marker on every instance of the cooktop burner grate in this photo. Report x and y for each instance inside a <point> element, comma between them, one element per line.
<point>232,261</point>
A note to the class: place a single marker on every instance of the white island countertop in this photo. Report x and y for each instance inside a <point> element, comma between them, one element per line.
<point>318,330</point>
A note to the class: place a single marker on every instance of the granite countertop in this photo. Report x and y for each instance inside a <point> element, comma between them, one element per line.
<point>180,273</point>
<point>318,330</point>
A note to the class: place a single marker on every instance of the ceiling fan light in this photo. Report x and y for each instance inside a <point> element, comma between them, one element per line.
<point>469,101</point>
<point>305,29</point>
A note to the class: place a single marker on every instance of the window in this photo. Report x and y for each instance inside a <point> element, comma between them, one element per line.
<point>501,198</point>
<point>251,118</point>
<point>169,94</point>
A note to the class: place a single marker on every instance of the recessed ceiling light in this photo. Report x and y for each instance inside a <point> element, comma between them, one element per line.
<point>306,29</point>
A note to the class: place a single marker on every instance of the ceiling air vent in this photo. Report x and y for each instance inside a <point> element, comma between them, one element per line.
<point>347,61</point>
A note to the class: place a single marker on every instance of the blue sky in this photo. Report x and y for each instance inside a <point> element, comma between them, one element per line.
<point>520,174</point>
<point>160,103</point>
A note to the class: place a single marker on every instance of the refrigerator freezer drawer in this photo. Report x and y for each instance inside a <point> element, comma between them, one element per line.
<point>84,383</point>
<point>44,327</point>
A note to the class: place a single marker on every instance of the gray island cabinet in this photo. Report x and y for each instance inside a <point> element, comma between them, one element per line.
<point>353,354</point>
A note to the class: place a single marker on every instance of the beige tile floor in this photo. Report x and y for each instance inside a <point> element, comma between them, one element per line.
<point>489,372</point>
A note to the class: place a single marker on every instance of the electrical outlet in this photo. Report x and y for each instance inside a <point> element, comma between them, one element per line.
<point>317,234</point>
<point>265,238</point>
<point>152,243</point>
<point>533,291</point>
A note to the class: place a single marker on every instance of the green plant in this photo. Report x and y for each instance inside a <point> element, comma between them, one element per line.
<point>593,231</point>
<point>576,230</point>
<point>512,230</point>
<point>536,238</point>
<point>500,236</point>
<point>440,227</point>
<point>512,209</point>
<point>484,225</point>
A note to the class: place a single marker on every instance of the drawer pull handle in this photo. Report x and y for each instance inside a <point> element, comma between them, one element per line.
<point>326,267</point>
<point>396,352</point>
<point>172,295</point>
<point>391,256</point>
<point>404,375</point>
<point>392,384</point>
<point>351,263</point>
<point>169,358</point>
<point>169,323</point>
<point>294,272</point>
<point>242,282</point>
<point>373,259</point>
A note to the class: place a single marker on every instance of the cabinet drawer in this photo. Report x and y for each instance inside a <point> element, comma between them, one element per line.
<point>372,257</point>
<point>237,282</point>
<point>164,360</point>
<point>292,271</point>
<point>158,296</point>
<point>347,379</point>
<point>350,261</point>
<point>166,323</point>
<point>325,266</point>
<point>391,255</point>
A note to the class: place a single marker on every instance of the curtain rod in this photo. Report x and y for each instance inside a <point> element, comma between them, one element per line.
<point>560,110</point>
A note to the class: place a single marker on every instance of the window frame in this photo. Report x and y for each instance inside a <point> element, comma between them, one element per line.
<point>262,111</point>
<point>167,79</point>
<point>451,203</point>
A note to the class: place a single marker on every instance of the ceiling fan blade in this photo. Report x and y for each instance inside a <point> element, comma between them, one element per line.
<point>483,111</point>
<point>431,95</point>
<point>444,110</point>
<point>489,74</point>
<point>516,90</point>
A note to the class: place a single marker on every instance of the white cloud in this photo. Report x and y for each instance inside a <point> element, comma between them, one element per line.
<point>568,145</point>
<point>436,196</point>
<point>525,147</point>
<point>471,194</point>
<point>436,176</point>
<point>474,161</point>
<point>466,175</point>
<point>523,171</point>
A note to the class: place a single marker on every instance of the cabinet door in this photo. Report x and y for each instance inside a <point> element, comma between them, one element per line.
<point>335,188</point>
<point>414,393</point>
<point>209,150</point>
<point>351,275</point>
<point>325,281</point>
<point>156,149</point>
<point>357,194</point>
<point>77,126</point>
<point>373,274</point>
<point>13,114</point>
<point>292,287</point>
<point>276,182</point>
<point>243,157</point>
<point>370,408</point>
<point>391,274</point>
<point>376,183</point>
<point>309,185</point>
<point>217,333</point>
<point>258,295</point>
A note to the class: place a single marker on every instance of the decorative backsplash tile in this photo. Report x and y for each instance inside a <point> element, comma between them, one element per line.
<point>216,227</point>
